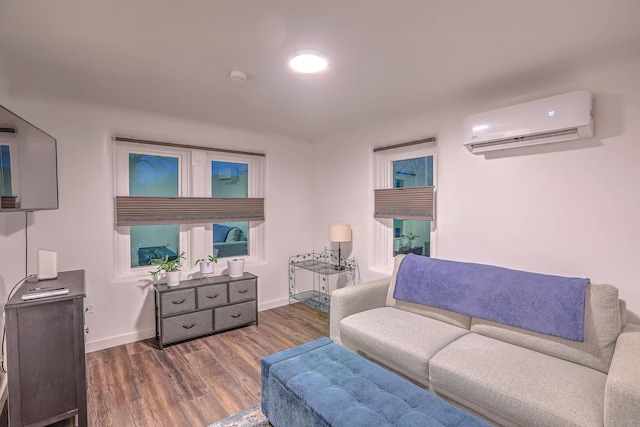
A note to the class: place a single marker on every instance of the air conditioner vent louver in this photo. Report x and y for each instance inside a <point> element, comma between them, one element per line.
<point>544,121</point>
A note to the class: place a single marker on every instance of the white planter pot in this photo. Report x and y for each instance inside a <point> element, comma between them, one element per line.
<point>412,244</point>
<point>173,278</point>
<point>236,267</point>
<point>206,268</point>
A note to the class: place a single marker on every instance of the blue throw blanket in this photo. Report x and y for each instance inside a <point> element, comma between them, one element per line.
<point>550,305</point>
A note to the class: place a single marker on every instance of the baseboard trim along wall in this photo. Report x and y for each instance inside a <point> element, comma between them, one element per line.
<point>91,346</point>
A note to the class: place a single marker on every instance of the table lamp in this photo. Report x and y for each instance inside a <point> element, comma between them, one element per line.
<point>339,233</point>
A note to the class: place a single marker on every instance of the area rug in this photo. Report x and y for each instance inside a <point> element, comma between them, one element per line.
<point>250,417</point>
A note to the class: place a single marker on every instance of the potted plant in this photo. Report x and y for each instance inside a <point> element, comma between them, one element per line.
<point>412,239</point>
<point>170,267</point>
<point>207,264</point>
<point>236,267</point>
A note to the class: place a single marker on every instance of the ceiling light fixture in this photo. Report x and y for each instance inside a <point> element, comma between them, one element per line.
<point>308,62</point>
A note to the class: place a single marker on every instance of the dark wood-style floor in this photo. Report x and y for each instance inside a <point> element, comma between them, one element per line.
<point>197,382</point>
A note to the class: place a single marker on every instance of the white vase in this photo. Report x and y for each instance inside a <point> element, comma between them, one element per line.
<point>173,278</point>
<point>236,267</point>
<point>206,268</point>
<point>412,244</point>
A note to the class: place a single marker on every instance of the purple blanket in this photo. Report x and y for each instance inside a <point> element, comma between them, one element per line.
<point>552,305</point>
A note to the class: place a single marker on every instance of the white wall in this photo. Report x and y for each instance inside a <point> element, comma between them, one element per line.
<point>82,230</point>
<point>568,209</point>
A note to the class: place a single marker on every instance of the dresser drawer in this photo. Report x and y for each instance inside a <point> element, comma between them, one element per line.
<point>235,315</point>
<point>188,325</point>
<point>242,290</point>
<point>178,301</point>
<point>212,295</point>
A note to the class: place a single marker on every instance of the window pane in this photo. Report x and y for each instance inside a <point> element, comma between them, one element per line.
<point>416,172</point>
<point>412,236</point>
<point>151,175</point>
<point>231,239</point>
<point>5,171</point>
<point>154,241</point>
<point>229,179</point>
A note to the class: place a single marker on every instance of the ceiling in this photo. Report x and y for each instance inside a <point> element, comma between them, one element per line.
<point>388,59</point>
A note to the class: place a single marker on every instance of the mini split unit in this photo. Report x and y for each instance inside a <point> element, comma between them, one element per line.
<point>544,121</point>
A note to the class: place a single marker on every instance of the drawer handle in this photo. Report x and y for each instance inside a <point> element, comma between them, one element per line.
<point>243,291</point>
<point>235,316</point>
<point>178,302</point>
<point>213,296</point>
<point>189,326</point>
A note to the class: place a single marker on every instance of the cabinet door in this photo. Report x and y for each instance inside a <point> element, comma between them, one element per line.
<point>45,371</point>
<point>178,328</point>
<point>242,290</point>
<point>212,295</point>
<point>235,315</point>
<point>178,301</point>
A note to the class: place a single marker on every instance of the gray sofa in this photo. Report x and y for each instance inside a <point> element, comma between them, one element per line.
<point>506,375</point>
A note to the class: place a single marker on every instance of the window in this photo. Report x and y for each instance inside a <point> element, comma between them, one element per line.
<point>412,236</point>
<point>230,179</point>
<point>5,171</point>
<point>408,228</point>
<point>153,175</point>
<point>176,179</point>
<point>9,185</point>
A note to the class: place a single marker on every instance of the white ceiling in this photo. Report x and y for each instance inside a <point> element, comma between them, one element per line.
<point>388,58</point>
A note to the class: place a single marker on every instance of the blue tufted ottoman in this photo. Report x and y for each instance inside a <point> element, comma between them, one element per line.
<point>323,384</point>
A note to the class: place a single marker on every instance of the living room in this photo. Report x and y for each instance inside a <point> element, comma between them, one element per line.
<point>564,209</point>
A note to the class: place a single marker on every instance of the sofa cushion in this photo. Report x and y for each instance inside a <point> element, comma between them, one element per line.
<point>401,340</point>
<point>450,317</point>
<point>523,386</point>
<point>603,323</point>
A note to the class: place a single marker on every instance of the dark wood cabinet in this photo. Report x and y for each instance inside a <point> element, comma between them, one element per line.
<point>46,354</point>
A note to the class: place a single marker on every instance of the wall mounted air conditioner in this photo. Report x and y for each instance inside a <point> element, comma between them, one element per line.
<point>554,119</point>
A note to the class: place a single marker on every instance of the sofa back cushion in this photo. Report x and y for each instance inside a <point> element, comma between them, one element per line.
<point>450,317</point>
<point>603,321</point>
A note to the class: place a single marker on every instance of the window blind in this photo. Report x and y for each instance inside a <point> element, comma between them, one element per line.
<point>405,144</point>
<point>131,210</point>
<point>405,203</point>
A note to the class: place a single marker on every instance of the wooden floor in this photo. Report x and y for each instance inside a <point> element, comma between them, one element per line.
<point>197,382</point>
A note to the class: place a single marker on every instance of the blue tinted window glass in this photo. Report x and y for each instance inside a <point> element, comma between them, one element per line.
<point>153,175</point>
<point>5,171</point>
<point>412,236</point>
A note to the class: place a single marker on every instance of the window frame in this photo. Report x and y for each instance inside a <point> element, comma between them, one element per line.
<point>383,171</point>
<point>196,240</point>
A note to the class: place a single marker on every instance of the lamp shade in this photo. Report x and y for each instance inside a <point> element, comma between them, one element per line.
<point>340,233</point>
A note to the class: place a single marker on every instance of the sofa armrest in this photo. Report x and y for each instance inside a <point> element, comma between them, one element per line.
<point>354,299</point>
<point>622,391</point>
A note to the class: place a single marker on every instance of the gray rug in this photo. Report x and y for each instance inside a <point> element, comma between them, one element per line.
<point>250,417</point>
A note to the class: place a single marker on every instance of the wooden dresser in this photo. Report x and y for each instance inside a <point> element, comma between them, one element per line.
<point>46,354</point>
<point>203,306</point>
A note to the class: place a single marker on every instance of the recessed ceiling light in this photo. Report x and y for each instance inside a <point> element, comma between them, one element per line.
<point>308,62</point>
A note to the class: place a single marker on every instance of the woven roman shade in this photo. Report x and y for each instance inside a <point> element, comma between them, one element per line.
<point>405,203</point>
<point>186,210</point>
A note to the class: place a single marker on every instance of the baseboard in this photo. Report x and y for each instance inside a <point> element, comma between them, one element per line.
<point>91,346</point>
<point>273,304</point>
